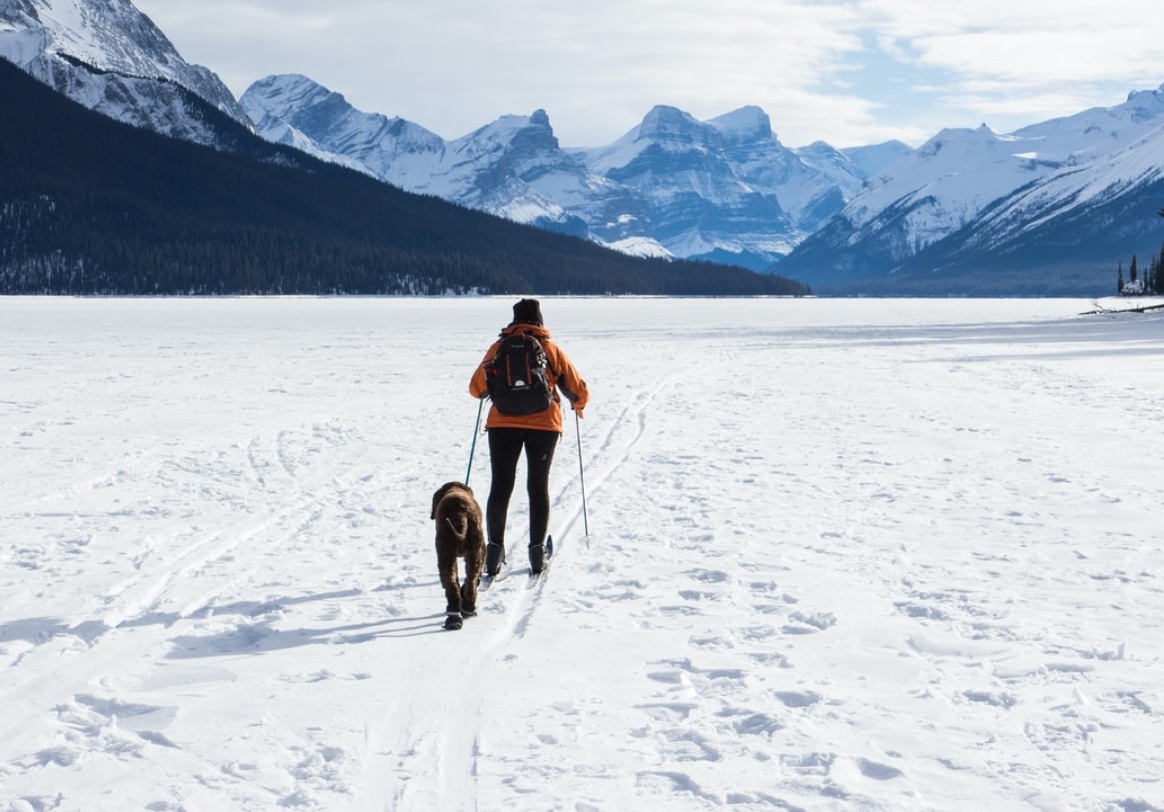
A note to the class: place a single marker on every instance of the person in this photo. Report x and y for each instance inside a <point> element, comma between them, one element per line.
<point>536,434</point>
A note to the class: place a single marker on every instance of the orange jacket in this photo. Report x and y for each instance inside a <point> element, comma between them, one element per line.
<point>563,377</point>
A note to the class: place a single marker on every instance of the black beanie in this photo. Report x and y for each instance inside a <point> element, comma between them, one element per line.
<point>528,311</point>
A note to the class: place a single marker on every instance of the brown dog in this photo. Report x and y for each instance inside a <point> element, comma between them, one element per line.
<point>460,533</point>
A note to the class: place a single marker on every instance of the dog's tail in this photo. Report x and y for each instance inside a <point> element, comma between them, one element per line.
<point>460,532</point>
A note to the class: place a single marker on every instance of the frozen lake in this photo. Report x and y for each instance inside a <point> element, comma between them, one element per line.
<point>844,555</point>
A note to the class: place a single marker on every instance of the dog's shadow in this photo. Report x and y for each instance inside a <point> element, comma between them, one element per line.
<point>263,638</point>
<point>250,635</point>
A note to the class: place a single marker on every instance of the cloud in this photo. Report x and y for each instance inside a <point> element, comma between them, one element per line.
<point>846,71</point>
<point>1024,62</point>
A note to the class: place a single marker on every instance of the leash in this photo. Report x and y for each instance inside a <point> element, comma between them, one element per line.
<point>473,447</point>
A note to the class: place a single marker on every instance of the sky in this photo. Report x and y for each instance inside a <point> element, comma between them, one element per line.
<point>848,72</point>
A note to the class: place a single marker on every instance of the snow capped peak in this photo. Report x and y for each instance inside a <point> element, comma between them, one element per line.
<point>874,159</point>
<point>1138,94</point>
<point>964,135</point>
<point>293,109</point>
<point>821,150</point>
<point>289,88</point>
<point>505,126</point>
<point>749,123</point>
<point>307,106</point>
<point>665,123</point>
<point>954,144</point>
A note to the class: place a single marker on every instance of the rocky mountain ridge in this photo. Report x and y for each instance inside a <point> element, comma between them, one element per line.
<point>111,58</point>
<point>724,189</point>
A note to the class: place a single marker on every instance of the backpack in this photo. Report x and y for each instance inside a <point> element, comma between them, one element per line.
<point>517,376</point>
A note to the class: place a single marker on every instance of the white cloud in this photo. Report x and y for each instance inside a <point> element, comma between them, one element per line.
<point>848,72</point>
<point>1019,63</point>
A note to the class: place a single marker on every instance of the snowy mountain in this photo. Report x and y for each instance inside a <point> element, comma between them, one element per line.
<point>110,57</point>
<point>975,200</point>
<point>697,200</point>
<point>725,189</point>
<point>295,111</point>
<point>500,168</point>
<point>89,205</point>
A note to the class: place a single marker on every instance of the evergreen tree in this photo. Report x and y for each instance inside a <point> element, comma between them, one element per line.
<point>1120,283</point>
<point>1134,270</point>
<point>1158,280</point>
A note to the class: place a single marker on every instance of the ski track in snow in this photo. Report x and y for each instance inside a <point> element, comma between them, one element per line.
<point>843,556</point>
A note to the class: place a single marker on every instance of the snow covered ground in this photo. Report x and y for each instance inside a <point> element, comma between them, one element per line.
<point>843,555</point>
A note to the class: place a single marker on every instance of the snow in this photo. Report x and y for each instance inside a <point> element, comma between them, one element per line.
<point>1120,173</point>
<point>641,247</point>
<point>111,36</point>
<point>749,123</point>
<point>843,555</point>
<point>20,45</point>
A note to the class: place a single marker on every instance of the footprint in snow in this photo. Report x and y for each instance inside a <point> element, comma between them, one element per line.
<point>809,622</point>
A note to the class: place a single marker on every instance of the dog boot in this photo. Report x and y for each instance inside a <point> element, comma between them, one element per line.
<point>453,619</point>
<point>468,605</point>
<point>537,558</point>
<point>494,558</point>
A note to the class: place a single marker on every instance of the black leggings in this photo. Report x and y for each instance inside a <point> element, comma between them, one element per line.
<point>505,446</point>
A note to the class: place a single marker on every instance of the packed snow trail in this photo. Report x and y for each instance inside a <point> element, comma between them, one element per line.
<point>846,555</point>
<point>437,741</point>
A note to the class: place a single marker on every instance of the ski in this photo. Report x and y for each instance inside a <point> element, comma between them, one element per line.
<point>489,580</point>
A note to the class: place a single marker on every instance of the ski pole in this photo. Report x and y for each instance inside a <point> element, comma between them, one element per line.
<point>473,447</point>
<point>582,477</point>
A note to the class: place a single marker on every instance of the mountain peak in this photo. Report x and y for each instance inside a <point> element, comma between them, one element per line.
<point>286,80</point>
<point>1143,93</point>
<point>318,106</point>
<point>664,120</point>
<point>295,109</point>
<point>749,123</point>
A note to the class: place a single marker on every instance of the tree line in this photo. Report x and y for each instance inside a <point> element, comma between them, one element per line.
<point>1139,282</point>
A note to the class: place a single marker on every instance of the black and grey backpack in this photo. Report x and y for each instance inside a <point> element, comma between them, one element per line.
<point>518,376</point>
